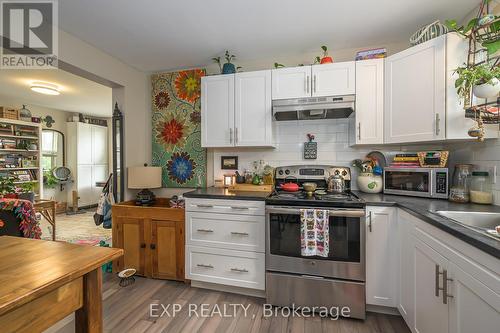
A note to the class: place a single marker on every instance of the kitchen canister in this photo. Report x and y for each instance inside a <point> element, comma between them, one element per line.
<point>369,183</point>
<point>428,32</point>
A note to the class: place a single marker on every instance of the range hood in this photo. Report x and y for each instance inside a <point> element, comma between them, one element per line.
<point>310,108</point>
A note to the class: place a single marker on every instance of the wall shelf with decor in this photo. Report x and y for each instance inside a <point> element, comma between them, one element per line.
<point>20,153</point>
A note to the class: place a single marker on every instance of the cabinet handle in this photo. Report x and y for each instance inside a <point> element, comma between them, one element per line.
<point>152,246</point>
<point>204,230</point>
<point>314,83</point>
<point>239,270</point>
<point>236,135</point>
<point>436,279</point>
<point>359,131</point>
<point>205,266</point>
<point>239,233</point>
<point>240,208</point>
<point>205,206</point>
<point>370,221</point>
<point>437,124</point>
<point>143,245</point>
<point>307,84</point>
<point>231,135</point>
<point>445,287</point>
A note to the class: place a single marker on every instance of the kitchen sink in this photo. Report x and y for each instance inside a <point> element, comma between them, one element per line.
<point>479,221</point>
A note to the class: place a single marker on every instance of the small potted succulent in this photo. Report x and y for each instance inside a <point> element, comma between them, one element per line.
<point>483,80</point>
<point>228,67</point>
<point>326,59</point>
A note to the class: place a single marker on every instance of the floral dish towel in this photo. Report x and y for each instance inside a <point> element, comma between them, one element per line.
<point>314,232</point>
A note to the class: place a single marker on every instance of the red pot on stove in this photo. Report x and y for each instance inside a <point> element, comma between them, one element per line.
<point>290,187</point>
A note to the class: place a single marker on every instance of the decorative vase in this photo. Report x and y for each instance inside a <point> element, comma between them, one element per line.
<point>487,90</point>
<point>228,68</point>
<point>369,183</point>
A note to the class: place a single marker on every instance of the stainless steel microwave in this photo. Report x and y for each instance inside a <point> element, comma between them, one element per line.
<point>417,182</point>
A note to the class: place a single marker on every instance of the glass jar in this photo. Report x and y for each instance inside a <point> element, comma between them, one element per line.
<point>460,186</point>
<point>480,191</point>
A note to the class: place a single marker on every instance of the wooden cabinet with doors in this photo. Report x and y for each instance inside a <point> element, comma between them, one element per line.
<point>152,239</point>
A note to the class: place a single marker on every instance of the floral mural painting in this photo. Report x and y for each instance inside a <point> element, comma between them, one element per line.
<point>177,128</point>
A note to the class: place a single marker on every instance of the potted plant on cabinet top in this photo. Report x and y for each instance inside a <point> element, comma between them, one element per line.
<point>483,80</point>
<point>326,59</point>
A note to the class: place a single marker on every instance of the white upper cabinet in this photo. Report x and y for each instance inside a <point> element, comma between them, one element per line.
<point>415,98</point>
<point>369,115</point>
<point>217,111</point>
<point>100,145</point>
<point>381,256</point>
<point>253,114</point>
<point>236,110</point>
<point>333,79</point>
<point>292,82</point>
<point>314,81</point>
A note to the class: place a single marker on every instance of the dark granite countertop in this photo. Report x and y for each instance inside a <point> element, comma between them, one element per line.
<point>224,193</point>
<point>422,208</point>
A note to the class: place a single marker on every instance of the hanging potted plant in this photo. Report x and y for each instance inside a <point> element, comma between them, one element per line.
<point>483,80</point>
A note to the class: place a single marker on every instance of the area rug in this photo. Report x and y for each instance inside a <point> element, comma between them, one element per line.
<point>177,128</point>
<point>76,229</point>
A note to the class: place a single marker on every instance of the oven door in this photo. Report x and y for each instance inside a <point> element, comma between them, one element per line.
<point>346,257</point>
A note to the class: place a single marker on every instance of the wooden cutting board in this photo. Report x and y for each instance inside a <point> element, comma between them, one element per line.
<point>251,188</point>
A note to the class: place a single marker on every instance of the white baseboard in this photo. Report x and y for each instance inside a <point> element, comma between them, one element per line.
<point>382,309</point>
<point>229,289</point>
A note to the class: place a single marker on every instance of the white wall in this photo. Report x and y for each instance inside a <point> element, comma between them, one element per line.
<point>130,90</point>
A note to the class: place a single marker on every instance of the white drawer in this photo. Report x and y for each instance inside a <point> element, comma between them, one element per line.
<point>227,267</point>
<point>240,207</point>
<point>227,231</point>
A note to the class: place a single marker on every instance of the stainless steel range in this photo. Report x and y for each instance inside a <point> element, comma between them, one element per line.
<point>334,281</point>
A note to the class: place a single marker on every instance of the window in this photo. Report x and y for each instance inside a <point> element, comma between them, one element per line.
<point>49,149</point>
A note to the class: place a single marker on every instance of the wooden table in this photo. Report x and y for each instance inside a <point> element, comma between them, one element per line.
<point>41,282</point>
<point>48,210</point>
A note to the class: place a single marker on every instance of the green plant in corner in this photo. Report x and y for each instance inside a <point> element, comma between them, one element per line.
<point>468,77</point>
<point>217,61</point>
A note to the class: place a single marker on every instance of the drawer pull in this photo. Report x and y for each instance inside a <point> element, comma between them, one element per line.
<point>239,233</point>
<point>204,230</point>
<point>239,270</point>
<point>205,206</point>
<point>205,266</point>
<point>240,208</point>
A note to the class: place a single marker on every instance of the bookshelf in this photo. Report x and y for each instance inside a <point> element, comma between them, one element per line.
<point>20,152</point>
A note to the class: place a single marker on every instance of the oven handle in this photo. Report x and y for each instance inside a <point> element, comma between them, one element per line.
<point>331,212</point>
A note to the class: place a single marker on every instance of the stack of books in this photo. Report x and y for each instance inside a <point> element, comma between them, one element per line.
<point>406,160</point>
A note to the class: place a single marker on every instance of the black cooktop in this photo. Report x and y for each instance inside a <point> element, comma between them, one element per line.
<point>318,199</point>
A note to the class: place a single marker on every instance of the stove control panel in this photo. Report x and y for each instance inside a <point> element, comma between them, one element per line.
<point>318,172</point>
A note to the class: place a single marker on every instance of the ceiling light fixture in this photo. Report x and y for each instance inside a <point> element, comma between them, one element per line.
<point>45,88</point>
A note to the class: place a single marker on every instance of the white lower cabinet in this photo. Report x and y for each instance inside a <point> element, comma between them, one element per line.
<point>446,285</point>
<point>225,242</point>
<point>381,256</point>
<point>430,312</point>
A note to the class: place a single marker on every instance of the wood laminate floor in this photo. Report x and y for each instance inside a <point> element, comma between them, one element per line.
<point>128,310</point>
